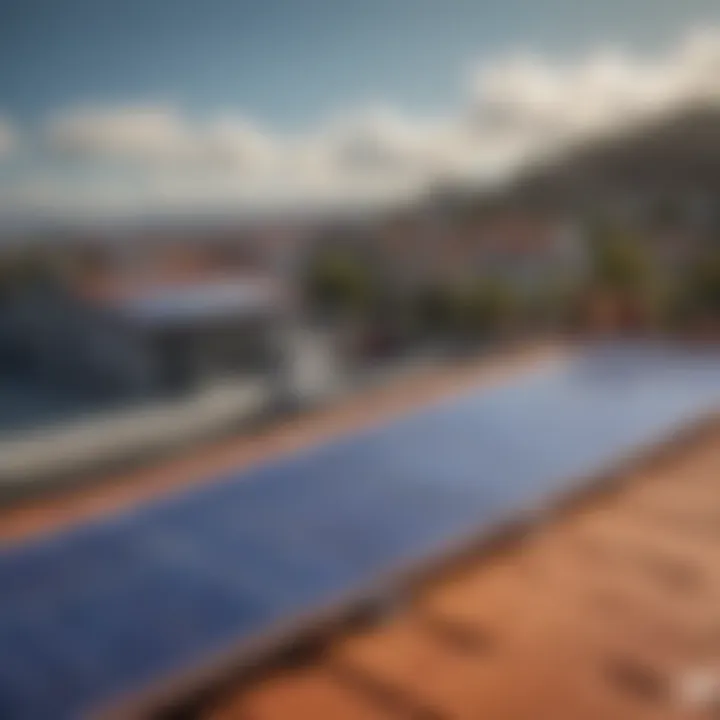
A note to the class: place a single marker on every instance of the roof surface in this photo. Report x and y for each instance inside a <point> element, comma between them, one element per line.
<point>180,304</point>
<point>601,613</point>
<point>213,573</point>
<point>610,611</point>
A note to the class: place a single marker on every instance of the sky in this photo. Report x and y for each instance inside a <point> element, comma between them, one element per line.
<point>114,108</point>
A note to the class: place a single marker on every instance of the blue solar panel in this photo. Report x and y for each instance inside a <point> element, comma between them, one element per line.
<point>91,614</point>
<point>172,306</point>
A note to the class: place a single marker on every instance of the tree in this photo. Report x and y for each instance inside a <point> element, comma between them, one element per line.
<point>626,289</point>
<point>620,263</point>
<point>556,303</point>
<point>702,291</point>
<point>437,309</point>
<point>339,283</point>
<point>490,307</point>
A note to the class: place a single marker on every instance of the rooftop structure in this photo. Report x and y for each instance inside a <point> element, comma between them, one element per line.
<point>183,304</point>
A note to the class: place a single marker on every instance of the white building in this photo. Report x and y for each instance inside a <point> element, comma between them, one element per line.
<point>146,340</point>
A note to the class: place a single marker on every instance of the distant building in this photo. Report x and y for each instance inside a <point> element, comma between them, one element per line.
<point>529,250</point>
<point>520,248</point>
<point>130,340</point>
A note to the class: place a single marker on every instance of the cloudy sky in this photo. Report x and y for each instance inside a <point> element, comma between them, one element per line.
<point>114,109</point>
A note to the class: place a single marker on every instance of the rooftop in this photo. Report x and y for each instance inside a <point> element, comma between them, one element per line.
<point>177,304</point>
<point>607,612</point>
<point>169,300</point>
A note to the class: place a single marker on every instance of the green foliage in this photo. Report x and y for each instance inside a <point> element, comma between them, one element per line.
<point>437,309</point>
<point>556,303</point>
<point>33,269</point>
<point>339,283</point>
<point>693,295</point>
<point>704,286</point>
<point>489,306</point>
<point>620,263</point>
<point>471,310</point>
<point>20,271</point>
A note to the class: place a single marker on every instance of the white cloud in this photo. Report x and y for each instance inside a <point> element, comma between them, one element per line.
<point>237,141</point>
<point>517,108</point>
<point>559,101</point>
<point>380,139</point>
<point>156,136</point>
<point>124,133</point>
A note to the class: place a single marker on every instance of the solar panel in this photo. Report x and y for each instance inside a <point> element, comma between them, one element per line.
<point>109,608</point>
<point>178,305</point>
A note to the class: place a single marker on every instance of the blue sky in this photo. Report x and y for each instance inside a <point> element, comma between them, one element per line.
<point>290,62</point>
<point>86,83</point>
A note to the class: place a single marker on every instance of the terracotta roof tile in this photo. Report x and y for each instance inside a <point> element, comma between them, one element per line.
<point>309,695</point>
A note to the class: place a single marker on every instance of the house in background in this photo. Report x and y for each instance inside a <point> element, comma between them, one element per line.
<point>141,339</point>
<point>529,250</point>
<point>523,249</point>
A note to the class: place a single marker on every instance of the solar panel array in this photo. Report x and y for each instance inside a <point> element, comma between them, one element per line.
<point>103,610</point>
